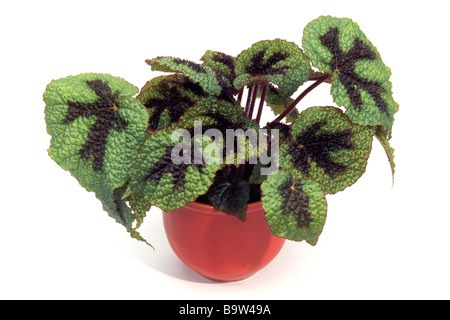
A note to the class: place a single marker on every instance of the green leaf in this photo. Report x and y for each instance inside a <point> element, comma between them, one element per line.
<point>223,116</point>
<point>229,193</point>
<point>167,98</point>
<point>220,62</point>
<point>212,113</point>
<point>284,131</point>
<point>224,66</point>
<point>273,96</point>
<point>383,138</point>
<point>295,209</point>
<point>164,183</point>
<point>96,129</point>
<point>255,176</point>
<point>277,61</point>
<point>278,103</point>
<point>203,75</point>
<point>279,109</point>
<point>116,207</point>
<point>360,79</point>
<point>139,204</point>
<point>169,185</point>
<point>327,147</point>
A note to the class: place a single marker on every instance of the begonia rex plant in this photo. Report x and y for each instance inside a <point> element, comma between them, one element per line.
<point>119,142</point>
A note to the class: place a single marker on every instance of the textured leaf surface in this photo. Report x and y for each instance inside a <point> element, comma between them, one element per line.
<point>230,197</point>
<point>164,183</point>
<point>273,96</point>
<point>167,98</point>
<point>295,209</point>
<point>203,75</point>
<point>96,128</point>
<point>279,109</point>
<point>284,131</point>
<point>224,66</point>
<point>115,206</point>
<point>327,147</point>
<point>220,62</point>
<point>360,78</point>
<point>277,61</point>
<point>159,181</point>
<point>223,116</point>
<point>383,138</point>
<point>212,113</point>
<point>170,185</point>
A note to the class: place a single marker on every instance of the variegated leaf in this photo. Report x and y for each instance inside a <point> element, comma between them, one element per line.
<point>360,79</point>
<point>167,98</point>
<point>327,147</point>
<point>295,209</point>
<point>279,62</point>
<point>97,128</point>
<point>211,82</point>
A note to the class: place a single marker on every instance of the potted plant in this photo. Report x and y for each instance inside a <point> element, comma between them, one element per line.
<point>191,143</point>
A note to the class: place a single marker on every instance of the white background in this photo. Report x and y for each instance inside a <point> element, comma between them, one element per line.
<point>379,242</point>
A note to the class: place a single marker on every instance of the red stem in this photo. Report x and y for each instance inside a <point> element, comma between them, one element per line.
<point>301,96</point>
<point>254,94</point>
<point>249,99</point>
<point>261,102</point>
<point>240,94</point>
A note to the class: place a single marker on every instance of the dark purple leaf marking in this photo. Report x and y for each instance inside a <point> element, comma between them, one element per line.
<point>107,118</point>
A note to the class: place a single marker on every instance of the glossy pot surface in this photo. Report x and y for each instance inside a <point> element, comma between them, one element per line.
<point>218,246</point>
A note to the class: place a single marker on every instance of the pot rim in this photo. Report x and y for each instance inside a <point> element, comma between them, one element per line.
<point>210,209</point>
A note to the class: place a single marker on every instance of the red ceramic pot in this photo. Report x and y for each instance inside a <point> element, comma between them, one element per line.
<point>218,246</point>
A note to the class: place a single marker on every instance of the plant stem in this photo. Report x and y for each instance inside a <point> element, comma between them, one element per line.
<point>240,94</point>
<point>261,102</point>
<point>254,95</point>
<point>316,75</point>
<point>301,96</point>
<point>249,99</point>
